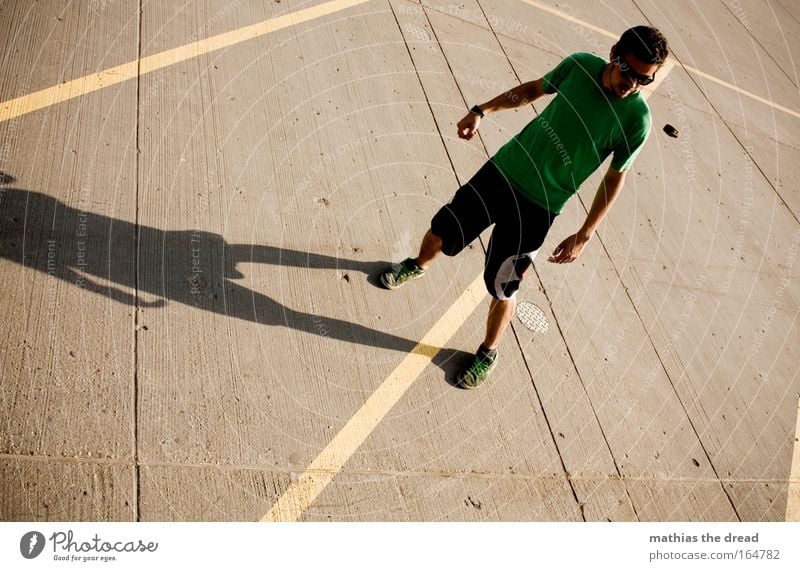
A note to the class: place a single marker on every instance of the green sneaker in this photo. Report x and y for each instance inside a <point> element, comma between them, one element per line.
<point>478,371</point>
<point>400,273</point>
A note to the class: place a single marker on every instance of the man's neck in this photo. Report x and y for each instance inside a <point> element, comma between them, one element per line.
<point>605,78</point>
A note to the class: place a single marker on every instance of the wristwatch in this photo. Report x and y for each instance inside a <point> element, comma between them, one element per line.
<point>477,110</point>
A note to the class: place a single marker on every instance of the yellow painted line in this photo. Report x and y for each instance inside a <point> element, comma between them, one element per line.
<point>564,15</point>
<point>573,19</point>
<point>299,496</point>
<point>96,81</point>
<point>740,90</point>
<point>793,499</point>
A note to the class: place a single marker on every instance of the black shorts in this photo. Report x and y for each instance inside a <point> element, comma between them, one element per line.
<point>520,228</point>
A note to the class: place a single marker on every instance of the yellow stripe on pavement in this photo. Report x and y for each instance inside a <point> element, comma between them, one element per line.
<point>96,81</point>
<point>295,500</point>
<point>562,14</point>
<point>744,92</point>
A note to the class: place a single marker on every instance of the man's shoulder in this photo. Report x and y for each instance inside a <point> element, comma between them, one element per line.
<point>636,118</point>
<point>586,56</point>
<point>585,59</point>
<point>640,109</point>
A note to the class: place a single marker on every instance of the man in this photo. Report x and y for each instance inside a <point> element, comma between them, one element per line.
<point>598,111</point>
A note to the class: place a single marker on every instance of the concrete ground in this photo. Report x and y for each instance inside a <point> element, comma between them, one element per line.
<point>192,224</point>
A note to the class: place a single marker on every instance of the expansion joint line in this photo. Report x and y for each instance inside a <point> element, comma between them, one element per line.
<point>425,93</point>
<point>136,228</point>
<point>756,40</point>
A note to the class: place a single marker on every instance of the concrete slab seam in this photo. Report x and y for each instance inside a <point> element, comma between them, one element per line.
<point>586,477</point>
<point>756,40</point>
<point>137,483</point>
<point>422,86</point>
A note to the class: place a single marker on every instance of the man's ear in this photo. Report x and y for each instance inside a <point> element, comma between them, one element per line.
<point>613,49</point>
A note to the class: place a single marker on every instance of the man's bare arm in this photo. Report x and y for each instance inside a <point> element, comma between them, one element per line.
<point>516,97</point>
<point>511,99</point>
<point>569,250</point>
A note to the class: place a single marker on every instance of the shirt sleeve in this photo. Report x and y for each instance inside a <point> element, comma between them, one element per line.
<point>553,78</point>
<point>631,144</point>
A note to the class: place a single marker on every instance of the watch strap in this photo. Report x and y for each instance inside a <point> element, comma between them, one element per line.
<point>477,110</point>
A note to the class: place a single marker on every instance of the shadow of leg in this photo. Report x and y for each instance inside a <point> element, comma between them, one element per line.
<point>265,254</point>
<point>252,306</point>
<point>451,361</point>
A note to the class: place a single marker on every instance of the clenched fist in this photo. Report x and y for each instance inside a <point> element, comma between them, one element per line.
<point>468,126</point>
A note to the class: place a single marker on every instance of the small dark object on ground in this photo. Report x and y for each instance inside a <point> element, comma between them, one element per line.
<point>671,131</point>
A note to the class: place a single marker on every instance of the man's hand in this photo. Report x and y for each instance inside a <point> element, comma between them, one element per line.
<point>468,126</point>
<point>569,250</point>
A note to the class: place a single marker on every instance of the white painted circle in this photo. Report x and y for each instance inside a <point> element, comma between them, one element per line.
<point>532,317</point>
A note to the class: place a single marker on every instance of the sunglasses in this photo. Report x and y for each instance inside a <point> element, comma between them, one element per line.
<point>628,73</point>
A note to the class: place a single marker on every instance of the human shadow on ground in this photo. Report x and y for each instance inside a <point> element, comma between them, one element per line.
<point>192,267</point>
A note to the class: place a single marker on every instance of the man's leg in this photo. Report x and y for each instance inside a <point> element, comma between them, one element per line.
<point>514,243</point>
<point>430,248</point>
<point>500,314</point>
<point>411,268</point>
<point>456,224</point>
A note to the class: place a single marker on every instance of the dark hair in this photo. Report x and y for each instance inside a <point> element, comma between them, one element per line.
<point>644,42</point>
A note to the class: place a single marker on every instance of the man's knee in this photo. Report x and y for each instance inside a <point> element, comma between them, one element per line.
<point>445,227</point>
<point>503,281</point>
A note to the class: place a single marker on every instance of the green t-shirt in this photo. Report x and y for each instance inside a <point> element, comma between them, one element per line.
<point>557,151</point>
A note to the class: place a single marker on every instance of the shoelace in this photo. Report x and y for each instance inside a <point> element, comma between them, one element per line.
<point>404,271</point>
<point>480,365</point>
